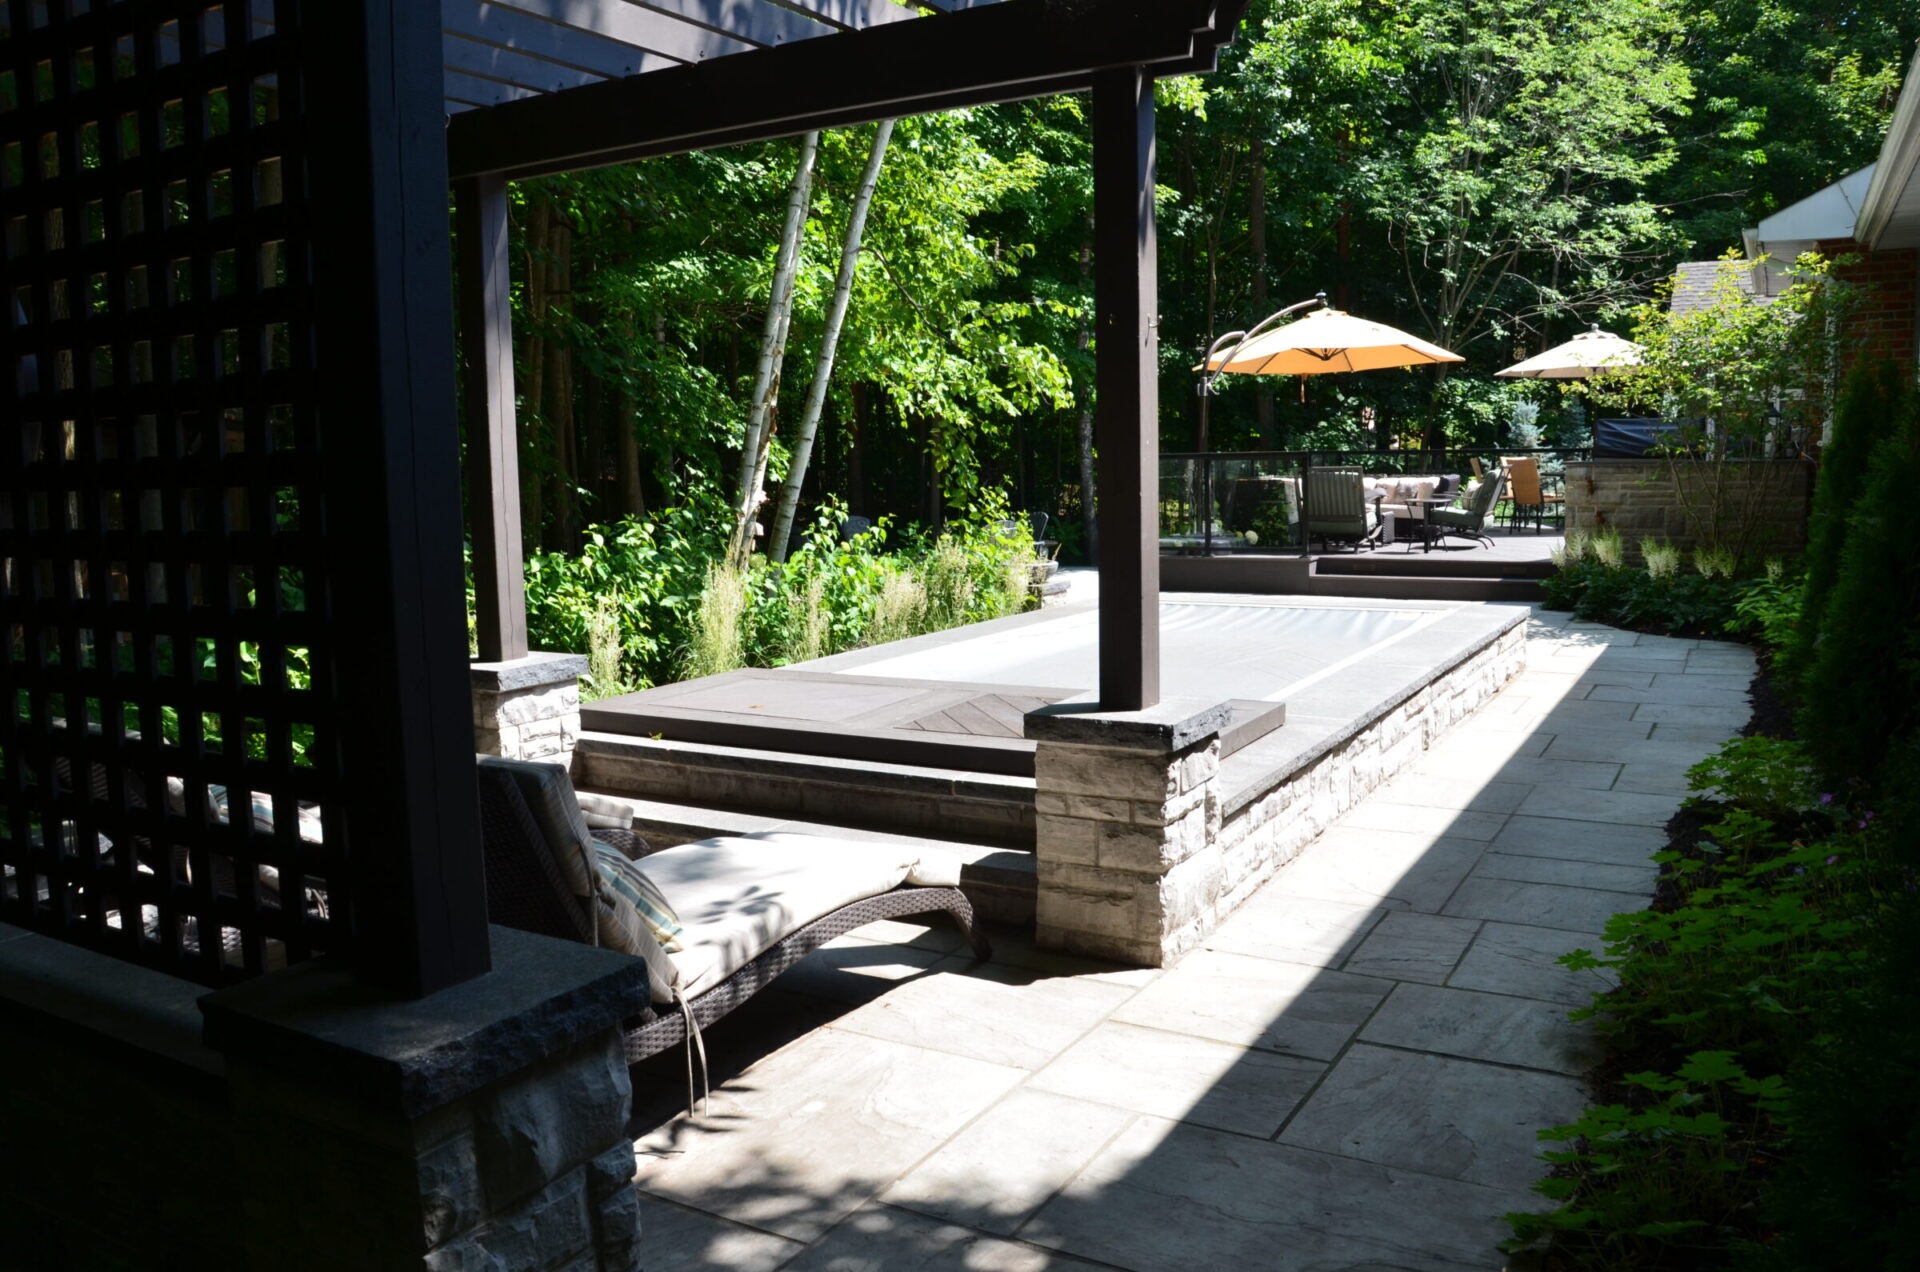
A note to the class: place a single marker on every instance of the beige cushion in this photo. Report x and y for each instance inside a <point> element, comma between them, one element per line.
<point>935,870</point>
<point>737,896</point>
<point>606,812</point>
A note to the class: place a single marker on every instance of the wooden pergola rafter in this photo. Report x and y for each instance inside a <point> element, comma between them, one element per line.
<point>543,86</point>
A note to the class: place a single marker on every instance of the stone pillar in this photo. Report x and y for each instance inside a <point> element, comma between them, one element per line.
<point>1127,820</point>
<point>483,1126</point>
<point>528,708</point>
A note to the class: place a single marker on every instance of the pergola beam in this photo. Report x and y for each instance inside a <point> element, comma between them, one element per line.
<point>999,52</point>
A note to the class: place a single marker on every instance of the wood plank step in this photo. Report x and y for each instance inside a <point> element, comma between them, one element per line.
<point>866,794</point>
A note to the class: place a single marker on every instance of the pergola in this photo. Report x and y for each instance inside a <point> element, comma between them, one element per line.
<point>230,556</point>
<point>253,192</point>
<point>542,86</point>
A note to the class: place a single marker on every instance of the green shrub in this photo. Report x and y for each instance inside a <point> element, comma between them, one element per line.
<point>1730,990</point>
<point>1861,688</point>
<point>1875,398</point>
<point>1845,1196</point>
<point>650,582</point>
<point>654,570</point>
<point>1666,1172</point>
<point>1686,604</point>
<point>1769,608</point>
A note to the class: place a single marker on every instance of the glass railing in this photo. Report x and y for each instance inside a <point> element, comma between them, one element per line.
<point>1251,502</point>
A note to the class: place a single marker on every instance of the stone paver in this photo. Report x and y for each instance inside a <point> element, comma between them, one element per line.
<point>1347,1076</point>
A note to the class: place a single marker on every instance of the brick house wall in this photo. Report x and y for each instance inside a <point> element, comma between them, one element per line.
<point>1889,313</point>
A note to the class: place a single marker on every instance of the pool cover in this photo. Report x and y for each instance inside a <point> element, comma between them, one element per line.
<point>1207,649</point>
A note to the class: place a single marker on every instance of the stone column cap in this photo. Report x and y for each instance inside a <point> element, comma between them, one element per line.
<point>531,672</point>
<point>316,1023</point>
<point>1172,724</point>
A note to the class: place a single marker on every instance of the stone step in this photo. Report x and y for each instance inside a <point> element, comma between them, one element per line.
<point>1000,881</point>
<point>863,794</point>
<point>1450,563</point>
<point>1414,587</point>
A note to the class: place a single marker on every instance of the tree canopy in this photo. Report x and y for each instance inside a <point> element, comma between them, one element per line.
<point>1488,174</point>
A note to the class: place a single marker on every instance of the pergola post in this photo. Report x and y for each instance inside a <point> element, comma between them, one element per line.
<point>1126,381</point>
<point>493,458</point>
<point>404,750</point>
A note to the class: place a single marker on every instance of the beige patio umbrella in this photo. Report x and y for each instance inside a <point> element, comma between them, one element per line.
<point>1588,354</point>
<point>1325,340</point>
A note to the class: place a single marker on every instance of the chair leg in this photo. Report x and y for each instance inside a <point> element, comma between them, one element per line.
<point>974,930</point>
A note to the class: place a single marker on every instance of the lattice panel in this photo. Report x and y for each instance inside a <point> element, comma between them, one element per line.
<point>162,585</point>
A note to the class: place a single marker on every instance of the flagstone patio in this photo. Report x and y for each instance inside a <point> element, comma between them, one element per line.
<point>1348,1076</point>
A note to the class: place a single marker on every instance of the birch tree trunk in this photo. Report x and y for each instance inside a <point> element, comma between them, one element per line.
<point>773,350</point>
<point>1089,520</point>
<point>829,342</point>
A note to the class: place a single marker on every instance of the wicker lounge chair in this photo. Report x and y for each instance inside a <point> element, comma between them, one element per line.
<point>531,822</point>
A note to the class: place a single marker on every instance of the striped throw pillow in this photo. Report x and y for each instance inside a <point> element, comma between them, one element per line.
<point>624,882</point>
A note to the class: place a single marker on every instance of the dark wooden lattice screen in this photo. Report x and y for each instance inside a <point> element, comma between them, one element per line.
<point>163,790</point>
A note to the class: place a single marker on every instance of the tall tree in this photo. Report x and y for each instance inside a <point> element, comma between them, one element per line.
<point>758,443</point>
<point>1792,95</point>
<point>1515,191</point>
<point>829,342</point>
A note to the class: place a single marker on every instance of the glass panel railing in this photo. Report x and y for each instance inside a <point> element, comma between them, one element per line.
<point>1227,503</point>
<point>1246,501</point>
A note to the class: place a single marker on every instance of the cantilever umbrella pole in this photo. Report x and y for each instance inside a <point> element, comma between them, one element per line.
<point>1209,376</point>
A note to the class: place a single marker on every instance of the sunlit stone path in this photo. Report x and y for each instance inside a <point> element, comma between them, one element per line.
<point>1348,1076</point>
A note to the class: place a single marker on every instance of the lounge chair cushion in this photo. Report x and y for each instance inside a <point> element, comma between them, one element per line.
<point>738,896</point>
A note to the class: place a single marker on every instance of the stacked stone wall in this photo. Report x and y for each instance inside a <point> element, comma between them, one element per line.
<point>1141,849</point>
<point>473,1141</point>
<point>1267,828</point>
<point>529,708</point>
<point>1125,848</point>
<point>518,1176</point>
<point>1657,499</point>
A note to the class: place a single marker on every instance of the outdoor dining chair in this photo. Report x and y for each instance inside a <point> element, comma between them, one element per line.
<point>1527,501</point>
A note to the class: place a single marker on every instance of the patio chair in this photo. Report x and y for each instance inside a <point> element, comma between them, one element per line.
<point>1470,522</point>
<point>716,920</point>
<point>1530,502</point>
<point>1337,507</point>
